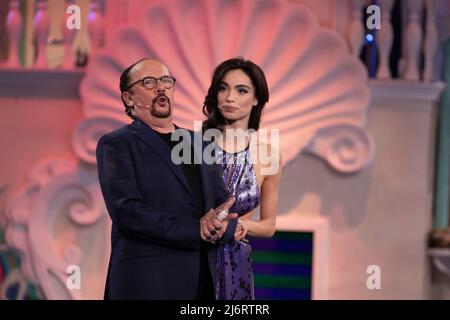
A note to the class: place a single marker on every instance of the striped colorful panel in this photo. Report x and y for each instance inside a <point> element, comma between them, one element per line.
<point>9,262</point>
<point>282,266</point>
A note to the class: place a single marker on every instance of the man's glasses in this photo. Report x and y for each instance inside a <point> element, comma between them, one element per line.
<point>150,82</point>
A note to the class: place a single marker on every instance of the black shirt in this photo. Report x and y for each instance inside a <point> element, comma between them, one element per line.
<point>191,171</point>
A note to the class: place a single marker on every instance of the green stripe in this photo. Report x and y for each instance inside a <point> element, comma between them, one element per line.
<point>441,200</point>
<point>284,235</point>
<point>33,293</point>
<point>281,258</point>
<point>265,281</point>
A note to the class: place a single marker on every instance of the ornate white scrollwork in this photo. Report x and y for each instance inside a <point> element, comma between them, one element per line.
<point>89,131</point>
<point>346,148</point>
<point>57,220</point>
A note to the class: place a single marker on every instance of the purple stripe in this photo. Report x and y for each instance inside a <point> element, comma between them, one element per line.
<point>282,294</point>
<point>281,245</point>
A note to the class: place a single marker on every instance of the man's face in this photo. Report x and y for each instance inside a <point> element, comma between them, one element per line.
<point>156,102</point>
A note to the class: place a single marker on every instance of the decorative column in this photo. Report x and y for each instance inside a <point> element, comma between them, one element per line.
<point>431,41</point>
<point>355,33</point>
<point>82,42</point>
<point>96,26</point>
<point>41,28</point>
<point>4,10</point>
<point>14,26</point>
<point>384,40</point>
<point>55,44</point>
<point>69,36</point>
<point>413,39</point>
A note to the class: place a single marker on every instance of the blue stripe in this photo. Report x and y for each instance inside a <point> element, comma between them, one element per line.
<point>282,294</point>
<point>282,269</point>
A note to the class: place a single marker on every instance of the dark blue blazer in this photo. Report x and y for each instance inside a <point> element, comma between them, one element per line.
<point>155,237</point>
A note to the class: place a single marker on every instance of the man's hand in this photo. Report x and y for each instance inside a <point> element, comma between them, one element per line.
<point>211,227</point>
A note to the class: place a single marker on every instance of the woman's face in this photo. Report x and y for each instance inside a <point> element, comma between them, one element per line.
<point>236,96</point>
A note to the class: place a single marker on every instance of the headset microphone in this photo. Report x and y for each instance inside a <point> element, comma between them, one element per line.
<point>140,105</point>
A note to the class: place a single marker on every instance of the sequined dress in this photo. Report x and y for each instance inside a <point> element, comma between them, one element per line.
<point>234,274</point>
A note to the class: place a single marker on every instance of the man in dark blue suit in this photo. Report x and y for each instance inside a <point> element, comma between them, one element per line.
<point>162,242</point>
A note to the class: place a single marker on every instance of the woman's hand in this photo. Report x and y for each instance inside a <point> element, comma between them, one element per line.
<point>241,230</point>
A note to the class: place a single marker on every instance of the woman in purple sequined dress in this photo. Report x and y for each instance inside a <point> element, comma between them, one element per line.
<point>233,105</point>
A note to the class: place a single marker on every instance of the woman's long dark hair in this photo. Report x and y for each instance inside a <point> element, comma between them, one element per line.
<point>210,105</point>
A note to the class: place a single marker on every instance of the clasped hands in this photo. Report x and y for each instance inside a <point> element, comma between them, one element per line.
<point>215,222</point>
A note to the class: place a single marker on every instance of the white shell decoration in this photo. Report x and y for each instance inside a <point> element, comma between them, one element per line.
<point>315,83</point>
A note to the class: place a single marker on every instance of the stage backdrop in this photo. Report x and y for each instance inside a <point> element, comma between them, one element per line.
<point>378,204</point>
